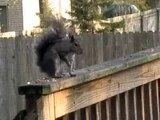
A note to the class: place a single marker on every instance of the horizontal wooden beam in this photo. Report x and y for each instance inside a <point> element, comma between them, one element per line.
<point>84,95</point>
<point>92,73</point>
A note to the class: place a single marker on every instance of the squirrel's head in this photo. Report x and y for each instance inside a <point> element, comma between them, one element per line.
<point>75,47</point>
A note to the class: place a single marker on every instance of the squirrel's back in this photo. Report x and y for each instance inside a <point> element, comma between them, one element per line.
<point>49,38</point>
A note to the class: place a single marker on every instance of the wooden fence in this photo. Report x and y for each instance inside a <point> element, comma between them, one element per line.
<point>17,61</point>
<point>124,89</point>
<point>144,21</point>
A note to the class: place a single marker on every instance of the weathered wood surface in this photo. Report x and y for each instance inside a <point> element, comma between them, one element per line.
<point>144,21</point>
<point>101,82</point>
<point>94,72</point>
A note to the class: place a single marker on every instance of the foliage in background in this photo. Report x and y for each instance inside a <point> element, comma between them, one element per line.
<point>85,12</point>
<point>111,27</point>
<point>143,5</point>
<point>46,15</point>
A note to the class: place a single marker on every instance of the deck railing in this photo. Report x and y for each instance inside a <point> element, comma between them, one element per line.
<point>127,88</point>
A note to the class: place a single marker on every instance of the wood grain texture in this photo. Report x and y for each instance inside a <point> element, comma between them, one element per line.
<point>84,95</point>
<point>46,108</point>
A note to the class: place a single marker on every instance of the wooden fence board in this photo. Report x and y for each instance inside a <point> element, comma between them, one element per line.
<point>135,103</point>
<point>118,107</point>
<point>11,78</point>
<point>130,43</point>
<point>108,46</point>
<point>127,105</point>
<point>98,49</point>
<point>118,45</point>
<point>46,108</point>
<point>3,83</point>
<point>108,112</point>
<point>98,111</point>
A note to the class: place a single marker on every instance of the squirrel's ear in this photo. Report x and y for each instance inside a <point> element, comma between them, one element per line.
<point>72,38</point>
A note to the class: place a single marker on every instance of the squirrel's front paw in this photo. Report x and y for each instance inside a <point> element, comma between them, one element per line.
<point>59,76</point>
<point>71,74</point>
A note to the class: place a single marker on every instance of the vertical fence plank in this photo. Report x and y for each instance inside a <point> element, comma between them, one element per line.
<point>88,113</point>
<point>108,46</point>
<point>98,51</point>
<point>130,43</point>
<point>137,42</point>
<point>150,41</point>
<point>135,103</point>
<point>84,41</point>
<point>108,112</point>
<point>19,69</point>
<point>156,41</point>
<point>118,45</point>
<point>11,77</point>
<point>150,101</point>
<point>125,43</point>
<point>127,105</point>
<point>77,115</point>
<point>3,82</point>
<point>98,111</point>
<point>118,107</point>
<point>143,104</point>
<point>28,48</point>
<point>90,49</point>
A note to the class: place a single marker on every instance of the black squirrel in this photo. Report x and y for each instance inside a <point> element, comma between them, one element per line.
<point>54,46</point>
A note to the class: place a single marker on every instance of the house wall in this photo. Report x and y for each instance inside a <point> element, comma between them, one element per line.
<point>21,18</point>
<point>22,15</point>
<point>14,14</point>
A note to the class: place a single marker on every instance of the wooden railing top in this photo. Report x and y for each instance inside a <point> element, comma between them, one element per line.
<point>92,73</point>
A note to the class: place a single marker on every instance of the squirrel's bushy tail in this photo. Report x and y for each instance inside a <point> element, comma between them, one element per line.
<point>55,32</point>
